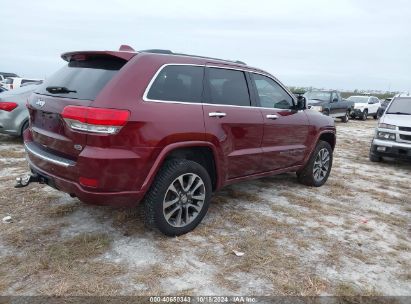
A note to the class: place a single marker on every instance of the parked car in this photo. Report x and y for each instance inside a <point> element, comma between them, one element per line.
<point>2,89</point>
<point>4,75</point>
<point>383,106</point>
<point>364,106</point>
<point>329,103</point>
<point>14,117</point>
<point>393,134</point>
<point>188,126</point>
<point>16,82</point>
<point>31,83</point>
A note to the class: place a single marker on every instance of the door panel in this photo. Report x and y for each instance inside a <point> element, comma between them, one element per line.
<point>284,141</point>
<point>285,129</point>
<point>230,121</point>
<point>238,134</point>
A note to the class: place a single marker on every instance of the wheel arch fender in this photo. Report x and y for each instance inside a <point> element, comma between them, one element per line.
<point>169,149</point>
<point>22,125</point>
<point>327,135</point>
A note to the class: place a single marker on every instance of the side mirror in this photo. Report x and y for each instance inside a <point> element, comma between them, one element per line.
<point>301,102</point>
<point>335,100</point>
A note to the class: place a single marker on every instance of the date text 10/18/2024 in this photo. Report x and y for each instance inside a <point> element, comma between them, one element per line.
<point>203,299</point>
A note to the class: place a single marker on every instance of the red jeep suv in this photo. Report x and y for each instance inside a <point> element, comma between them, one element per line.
<point>168,129</point>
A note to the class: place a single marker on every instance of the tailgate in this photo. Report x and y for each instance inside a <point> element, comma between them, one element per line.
<point>78,83</point>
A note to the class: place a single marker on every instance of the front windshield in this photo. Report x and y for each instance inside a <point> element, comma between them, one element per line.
<point>359,99</point>
<point>314,96</point>
<point>400,106</point>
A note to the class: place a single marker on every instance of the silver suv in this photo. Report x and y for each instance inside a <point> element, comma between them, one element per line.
<point>393,134</point>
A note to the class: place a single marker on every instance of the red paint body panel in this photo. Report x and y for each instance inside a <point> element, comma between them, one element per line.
<point>245,144</point>
<point>238,136</point>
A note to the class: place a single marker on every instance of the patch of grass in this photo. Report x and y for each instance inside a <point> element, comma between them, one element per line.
<point>308,286</point>
<point>219,199</point>
<point>310,202</point>
<point>348,291</point>
<point>82,246</point>
<point>276,208</point>
<point>151,275</point>
<point>62,210</point>
<point>85,279</point>
<point>390,219</point>
<point>21,237</point>
<point>243,195</point>
<point>366,228</point>
<point>402,246</point>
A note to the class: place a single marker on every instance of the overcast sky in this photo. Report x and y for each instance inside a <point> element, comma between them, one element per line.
<point>342,44</point>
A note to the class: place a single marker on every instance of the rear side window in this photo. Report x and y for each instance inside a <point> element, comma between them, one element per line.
<point>228,87</point>
<point>178,83</point>
<point>84,78</point>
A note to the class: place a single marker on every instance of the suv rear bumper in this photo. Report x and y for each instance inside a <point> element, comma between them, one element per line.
<point>118,199</point>
<point>117,185</point>
<point>391,149</point>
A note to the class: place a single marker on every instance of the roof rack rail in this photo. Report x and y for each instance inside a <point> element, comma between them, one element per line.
<point>156,51</point>
<point>168,52</point>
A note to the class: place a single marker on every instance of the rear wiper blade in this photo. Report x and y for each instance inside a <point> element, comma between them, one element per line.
<point>398,113</point>
<point>57,90</point>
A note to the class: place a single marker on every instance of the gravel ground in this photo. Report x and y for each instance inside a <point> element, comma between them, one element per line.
<point>349,237</point>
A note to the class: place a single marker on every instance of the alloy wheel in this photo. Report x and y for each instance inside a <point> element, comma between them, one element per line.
<point>321,165</point>
<point>184,200</point>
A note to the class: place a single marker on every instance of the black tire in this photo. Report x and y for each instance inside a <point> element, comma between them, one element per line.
<point>375,116</point>
<point>153,202</point>
<point>364,115</point>
<point>24,127</point>
<point>306,175</point>
<point>346,118</point>
<point>326,112</point>
<point>375,158</point>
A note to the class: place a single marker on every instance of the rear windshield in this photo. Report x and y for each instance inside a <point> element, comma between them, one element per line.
<point>82,79</point>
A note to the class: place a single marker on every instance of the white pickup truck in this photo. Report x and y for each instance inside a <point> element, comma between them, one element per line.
<point>393,134</point>
<point>364,106</point>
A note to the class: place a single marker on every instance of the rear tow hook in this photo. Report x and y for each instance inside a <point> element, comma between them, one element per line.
<point>25,180</point>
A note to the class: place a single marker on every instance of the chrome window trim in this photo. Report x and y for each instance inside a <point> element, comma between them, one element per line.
<point>30,148</point>
<point>146,99</point>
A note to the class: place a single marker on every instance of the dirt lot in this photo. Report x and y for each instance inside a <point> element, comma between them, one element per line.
<point>352,236</point>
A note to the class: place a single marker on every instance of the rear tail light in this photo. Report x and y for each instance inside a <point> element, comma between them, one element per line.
<point>8,106</point>
<point>95,120</point>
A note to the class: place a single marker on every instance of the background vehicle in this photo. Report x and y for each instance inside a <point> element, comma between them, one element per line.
<point>329,103</point>
<point>393,134</point>
<point>14,117</point>
<point>188,126</point>
<point>23,84</point>
<point>15,82</point>
<point>2,89</point>
<point>4,75</point>
<point>383,106</point>
<point>364,106</point>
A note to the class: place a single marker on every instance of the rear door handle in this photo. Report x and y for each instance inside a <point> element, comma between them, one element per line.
<point>271,116</point>
<point>217,114</point>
